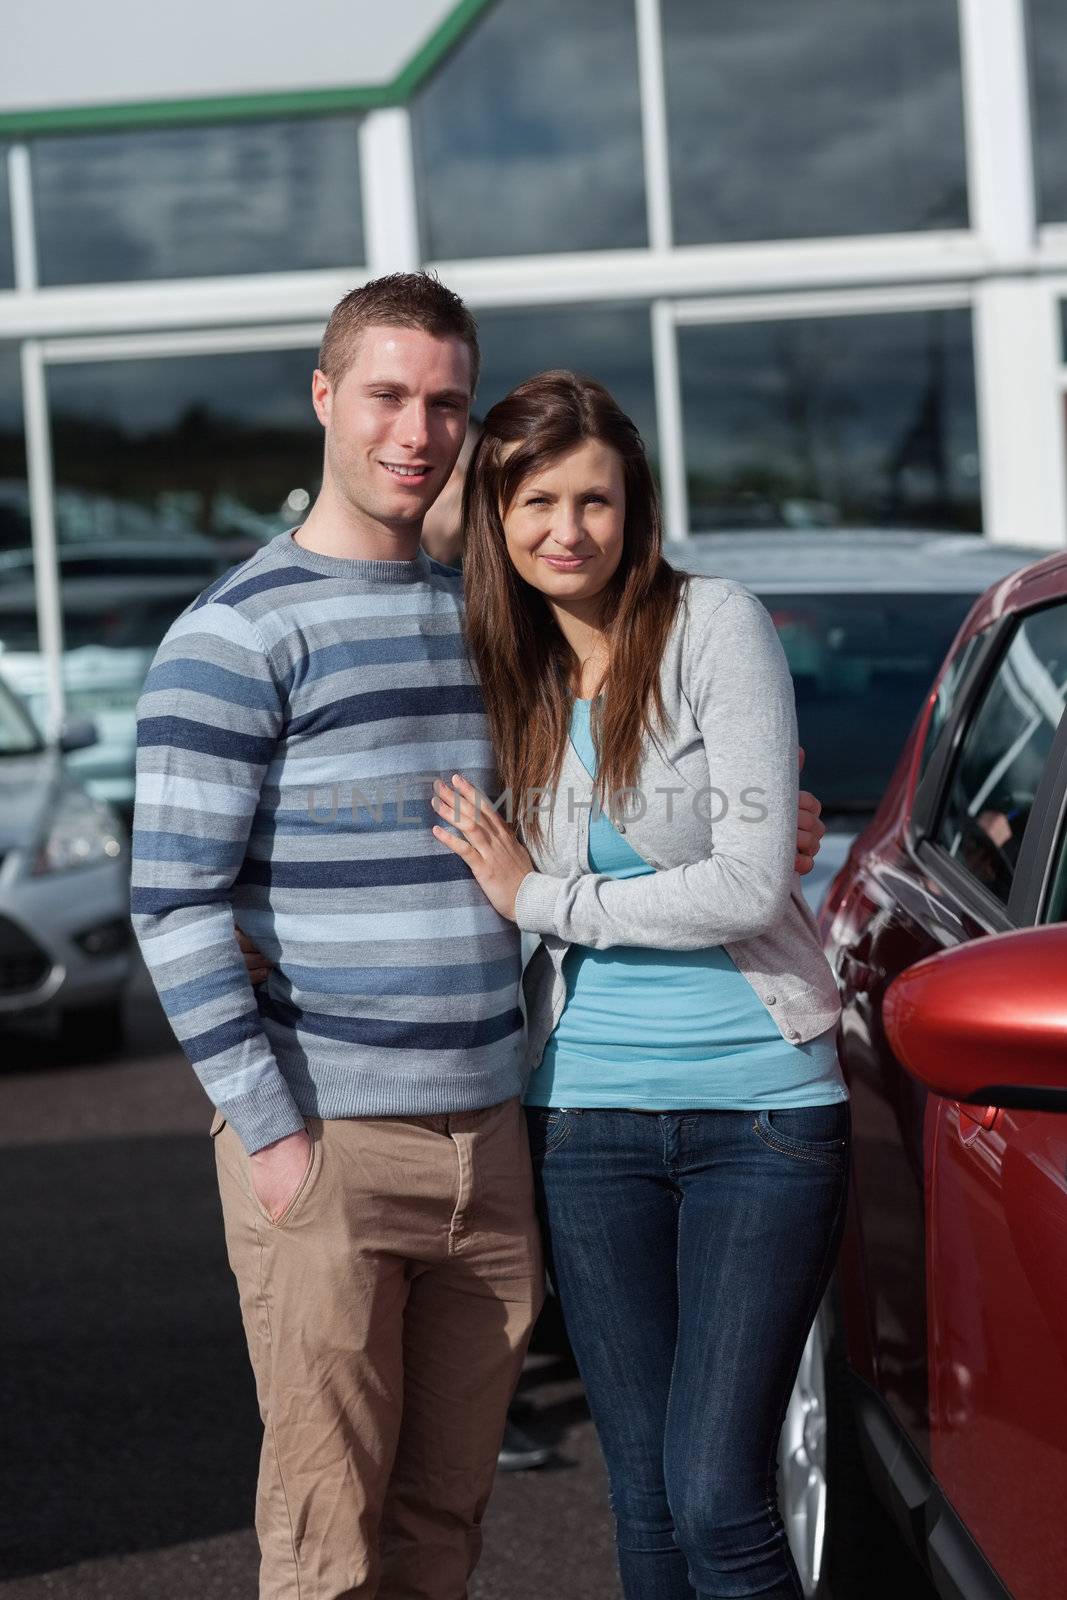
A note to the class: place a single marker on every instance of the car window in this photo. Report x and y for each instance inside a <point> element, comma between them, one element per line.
<point>947,695</point>
<point>862,665</point>
<point>1003,754</point>
<point>18,736</point>
<point>1056,906</point>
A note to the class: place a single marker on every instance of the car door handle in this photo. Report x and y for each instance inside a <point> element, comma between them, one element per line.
<point>973,1119</point>
<point>860,975</point>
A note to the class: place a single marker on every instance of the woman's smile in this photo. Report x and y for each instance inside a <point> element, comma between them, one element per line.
<point>565,563</point>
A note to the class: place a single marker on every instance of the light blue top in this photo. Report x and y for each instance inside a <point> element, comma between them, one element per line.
<point>668,1030</point>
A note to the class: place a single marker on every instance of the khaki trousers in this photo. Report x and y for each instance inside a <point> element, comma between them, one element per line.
<point>387,1313</point>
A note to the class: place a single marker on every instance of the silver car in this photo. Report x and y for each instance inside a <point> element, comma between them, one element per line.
<point>866,618</point>
<point>65,942</point>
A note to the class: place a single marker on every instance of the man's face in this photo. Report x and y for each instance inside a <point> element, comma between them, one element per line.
<point>395,422</point>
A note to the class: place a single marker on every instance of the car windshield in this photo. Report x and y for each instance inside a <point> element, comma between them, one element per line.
<point>861,664</point>
<point>18,736</point>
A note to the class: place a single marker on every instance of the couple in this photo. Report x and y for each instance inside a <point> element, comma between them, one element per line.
<point>320,739</point>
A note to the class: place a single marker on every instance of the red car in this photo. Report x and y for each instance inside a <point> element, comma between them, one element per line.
<point>939,1361</point>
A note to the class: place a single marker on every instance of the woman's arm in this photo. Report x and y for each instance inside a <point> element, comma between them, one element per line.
<point>742,697</point>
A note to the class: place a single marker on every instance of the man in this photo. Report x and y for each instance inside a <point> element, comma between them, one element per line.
<point>371,1151</point>
<point>372,1159</point>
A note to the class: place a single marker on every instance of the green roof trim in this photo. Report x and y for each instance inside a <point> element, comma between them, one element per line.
<point>232,108</point>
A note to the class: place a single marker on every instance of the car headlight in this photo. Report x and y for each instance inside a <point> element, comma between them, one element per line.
<point>82,832</point>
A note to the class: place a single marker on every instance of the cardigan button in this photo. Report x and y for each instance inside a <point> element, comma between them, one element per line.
<point>794,1035</point>
<point>772,999</point>
<point>621,827</point>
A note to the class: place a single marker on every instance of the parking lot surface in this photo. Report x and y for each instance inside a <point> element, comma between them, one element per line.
<point>127,1411</point>
<point>129,1419</point>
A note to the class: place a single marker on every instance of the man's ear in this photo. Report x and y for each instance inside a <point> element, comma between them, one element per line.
<point>321,396</point>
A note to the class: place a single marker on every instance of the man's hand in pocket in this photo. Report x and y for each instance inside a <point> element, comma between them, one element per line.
<point>279,1169</point>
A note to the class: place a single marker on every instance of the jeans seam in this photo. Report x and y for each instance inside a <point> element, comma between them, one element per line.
<point>554,1143</point>
<point>674,1368</point>
<point>831,1158</point>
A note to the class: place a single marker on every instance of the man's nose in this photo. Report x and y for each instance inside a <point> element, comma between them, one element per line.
<point>414,426</point>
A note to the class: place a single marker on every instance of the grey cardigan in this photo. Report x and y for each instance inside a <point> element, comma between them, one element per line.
<point>714,812</point>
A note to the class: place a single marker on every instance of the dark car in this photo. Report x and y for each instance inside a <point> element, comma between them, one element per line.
<point>943,1351</point>
<point>865,616</point>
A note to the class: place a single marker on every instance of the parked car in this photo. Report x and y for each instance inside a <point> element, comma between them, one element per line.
<point>65,940</point>
<point>119,599</point>
<point>865,618</point>
<point>942,1351</point>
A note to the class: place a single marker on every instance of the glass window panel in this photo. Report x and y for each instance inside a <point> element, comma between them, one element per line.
<point>7,259</point>
<point>1003,755</point>
<point>1048,71</point>
<point>529,137</point>
<point>190,202</point>
<point>168,471</point>
<point>849,421</point>
<point>803,121</point>
<point>1056,906</point>
<point>18,606</point>
<point>847,653</point>
<point>948,689</point>
<point>610,343</point>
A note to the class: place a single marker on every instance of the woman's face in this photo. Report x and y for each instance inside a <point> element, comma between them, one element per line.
<point>564,528</point>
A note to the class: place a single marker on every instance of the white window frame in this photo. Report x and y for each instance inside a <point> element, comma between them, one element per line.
<point>1011,272</point>
<point>40,354</point>
<point>740,309</point>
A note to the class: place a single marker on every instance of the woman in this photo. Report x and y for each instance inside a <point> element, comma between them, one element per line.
<point>688,1119</point>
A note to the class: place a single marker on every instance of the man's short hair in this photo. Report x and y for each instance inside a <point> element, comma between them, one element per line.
<point>400,300</point>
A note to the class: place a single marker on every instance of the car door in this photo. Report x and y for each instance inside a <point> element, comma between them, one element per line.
<point>896,913</point>
<point>996,1222</point>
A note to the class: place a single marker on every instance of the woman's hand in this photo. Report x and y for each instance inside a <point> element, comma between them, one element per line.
<point>810,829</point>
<point>259,968</point>
<point>488,846</point>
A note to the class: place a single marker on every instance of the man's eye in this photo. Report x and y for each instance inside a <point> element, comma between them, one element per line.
<point>383,394</point>
<point>447,405</point>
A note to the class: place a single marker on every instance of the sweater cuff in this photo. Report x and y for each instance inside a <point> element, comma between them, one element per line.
<point>535,903</point>
<point>267,1114</point>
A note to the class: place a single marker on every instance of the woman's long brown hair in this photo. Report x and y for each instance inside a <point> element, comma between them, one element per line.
<point>526,666</point>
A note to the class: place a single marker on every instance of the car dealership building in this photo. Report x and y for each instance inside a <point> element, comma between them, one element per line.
<point>818,251</point>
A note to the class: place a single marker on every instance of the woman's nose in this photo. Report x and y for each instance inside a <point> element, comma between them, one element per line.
<point>567,529</point>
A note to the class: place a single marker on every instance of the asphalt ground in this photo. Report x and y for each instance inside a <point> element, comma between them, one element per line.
<point>128,1427</point>
<point>129,1433</point>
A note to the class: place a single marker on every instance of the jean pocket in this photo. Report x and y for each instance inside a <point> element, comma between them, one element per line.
<point>812,1133</point>
<point>548,1127</point>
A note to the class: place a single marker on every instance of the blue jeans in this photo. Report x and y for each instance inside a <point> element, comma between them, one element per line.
<point>690,1250</point>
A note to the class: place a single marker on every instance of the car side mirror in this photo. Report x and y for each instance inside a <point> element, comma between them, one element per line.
<point>986,1023</point>
<point>78,735</point>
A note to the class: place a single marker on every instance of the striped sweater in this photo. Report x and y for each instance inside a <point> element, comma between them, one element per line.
<point>288,734</point>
